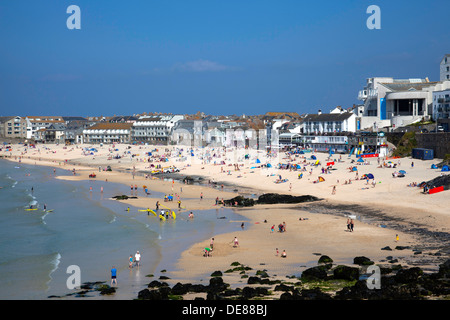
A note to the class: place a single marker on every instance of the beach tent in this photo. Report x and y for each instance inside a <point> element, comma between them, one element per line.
<point>258,161</point>
<point>360,160</point>
<point>433,166</point>
<point>445,168</point>
<point>269,165</point>
<point>321,179</point>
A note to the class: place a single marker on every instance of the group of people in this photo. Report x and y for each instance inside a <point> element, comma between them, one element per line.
<point>136,260</point>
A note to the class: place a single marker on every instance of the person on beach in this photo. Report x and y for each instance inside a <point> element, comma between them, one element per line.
<point>276,252</point>
<point>236,242</point>
<point>283,254</point>
<point>211,244</point>
<point>272,228</point>
<point>396,238</point>
<point>334,190</point>
<point>351,225</point>
<point>130,262</point>
<point>114,276</point>
<point>137,258</point>
<point>348,224</point>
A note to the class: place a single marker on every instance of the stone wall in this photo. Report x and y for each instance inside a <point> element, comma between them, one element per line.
<point>439,142</point>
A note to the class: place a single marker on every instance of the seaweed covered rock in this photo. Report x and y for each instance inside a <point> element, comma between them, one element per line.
<point>315,273</point>
<point>272,198</point>
<point>346,273</point>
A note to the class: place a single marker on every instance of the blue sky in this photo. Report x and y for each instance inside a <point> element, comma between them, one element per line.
<point>218,57</point>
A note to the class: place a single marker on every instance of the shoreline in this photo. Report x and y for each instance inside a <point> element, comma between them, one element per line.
<point>421,229</point>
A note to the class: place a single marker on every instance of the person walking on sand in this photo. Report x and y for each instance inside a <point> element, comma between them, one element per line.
<point>396,238</point>
<point>348,224</point>
<point>137,258</point>
<point>114,276</point>
<point>130,262</point>
<point>334,190</point>
<point>211,244</point>
<point>351,225</point>
<point>236,242</point>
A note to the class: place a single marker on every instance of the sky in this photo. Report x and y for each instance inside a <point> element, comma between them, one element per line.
<point>217,57</point>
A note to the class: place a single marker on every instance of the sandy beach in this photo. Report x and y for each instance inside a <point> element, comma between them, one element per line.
<point>381,210</point>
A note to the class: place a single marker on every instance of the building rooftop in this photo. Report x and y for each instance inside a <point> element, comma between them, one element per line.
<point>328,116</point>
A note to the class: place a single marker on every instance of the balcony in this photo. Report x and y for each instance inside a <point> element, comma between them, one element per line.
<point>367,93</point>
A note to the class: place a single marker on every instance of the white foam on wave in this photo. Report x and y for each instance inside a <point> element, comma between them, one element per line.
<point>55,264</point>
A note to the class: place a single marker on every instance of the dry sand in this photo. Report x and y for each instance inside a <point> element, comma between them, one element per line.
<point>396,204</point>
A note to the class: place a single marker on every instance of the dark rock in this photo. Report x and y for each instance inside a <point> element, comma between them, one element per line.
<point>283,287</point>
<point>156,294</point>
<point>408,275</point>
<point>362,261</point>
<point>325,259</point>
<point>216,274</point>
<point>346,273</point>
<point>272,198</point>
<point>314,294</point>
<point>198,288</point>
<point>387,248</point>
<point>180,289</point>
<point>216,285</point>
<point>157,284</point>
<point>402,247</point>
<point>253,280</point>
<point>315,273</point>
<point>240,201</point>
<point>444,269</point>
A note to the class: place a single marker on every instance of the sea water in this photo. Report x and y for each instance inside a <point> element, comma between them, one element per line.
<point>87,229</point>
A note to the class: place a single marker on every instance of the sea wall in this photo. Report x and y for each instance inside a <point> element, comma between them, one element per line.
<point>438,141</point>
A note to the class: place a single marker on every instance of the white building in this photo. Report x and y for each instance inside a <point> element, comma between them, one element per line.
<point>390,102</point>
<point>329,123</point>
<point>441,104</point>
<point>108,133</point>
<point>445,68</point>
<point>35,123</point>
<point>154,129</point>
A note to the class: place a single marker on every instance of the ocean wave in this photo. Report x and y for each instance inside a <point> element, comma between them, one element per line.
<point>54,262</point>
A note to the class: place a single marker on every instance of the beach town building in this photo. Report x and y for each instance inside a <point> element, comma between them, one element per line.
<point>445,68</point>
<point>342,121</point>
<point>154,129</point>
<point>13,127</point>
<point>390,102</point>
<point>441,104</point>
<point>106,132</point>
<point>35,123</point>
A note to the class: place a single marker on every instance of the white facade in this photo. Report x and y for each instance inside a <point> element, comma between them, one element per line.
<point>445,68</point>
<point>441,104</point>
<point>156,129</point>
<point>329,123</point>
<point>390,102</point>
<point>108,133</point>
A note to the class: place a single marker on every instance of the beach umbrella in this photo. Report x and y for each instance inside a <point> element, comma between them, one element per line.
<point>258,161</point>
<point>370,176</point>
<point>402,171</point>
<point>360,160</point>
